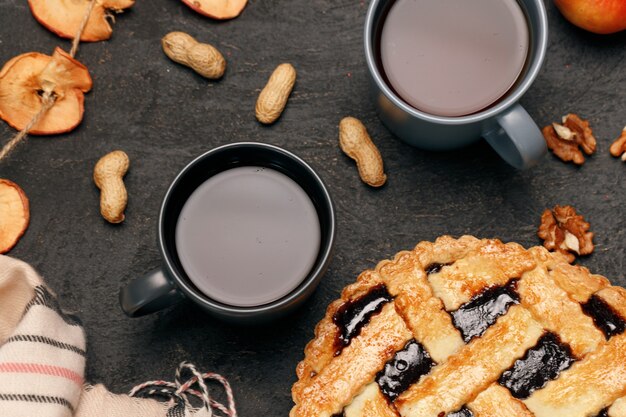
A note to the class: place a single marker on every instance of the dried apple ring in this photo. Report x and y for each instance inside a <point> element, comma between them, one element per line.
<point>64,17</point>
<point>14,214</point>
<point>25,78</point>
<point>217,9</point>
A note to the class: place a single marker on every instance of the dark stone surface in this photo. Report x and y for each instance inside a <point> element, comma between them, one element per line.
<point>163,115</point>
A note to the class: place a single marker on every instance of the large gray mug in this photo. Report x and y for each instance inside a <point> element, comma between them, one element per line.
<point>506,125</point>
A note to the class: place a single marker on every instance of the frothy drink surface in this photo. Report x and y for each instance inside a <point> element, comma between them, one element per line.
<point>248,236</point>
<point>453,57</point>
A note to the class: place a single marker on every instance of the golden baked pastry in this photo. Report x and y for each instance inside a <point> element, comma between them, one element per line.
<point>469,327</point>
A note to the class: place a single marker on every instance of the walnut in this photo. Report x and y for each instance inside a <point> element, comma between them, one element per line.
<point>566,140</point>
<point>618,148</point>
<point>565,231</point>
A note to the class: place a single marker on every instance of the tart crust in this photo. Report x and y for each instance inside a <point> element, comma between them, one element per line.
<point>427,287</point>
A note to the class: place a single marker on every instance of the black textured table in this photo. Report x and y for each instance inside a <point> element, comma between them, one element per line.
<point>163,115</point>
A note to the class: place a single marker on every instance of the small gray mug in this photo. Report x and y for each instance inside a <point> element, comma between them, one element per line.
<point>506,126</point>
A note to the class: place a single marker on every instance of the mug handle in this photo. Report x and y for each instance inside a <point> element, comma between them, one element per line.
<point>148,294</point>
<point>517,139</point>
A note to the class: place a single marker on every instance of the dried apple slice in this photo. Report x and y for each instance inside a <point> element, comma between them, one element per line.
<point>217,9</point>
<point>64,17</point>
<point>14,214</point>
<point>26,77</point>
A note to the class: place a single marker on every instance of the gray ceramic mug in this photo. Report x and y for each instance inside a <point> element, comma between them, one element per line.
<point>170,284</point>
<point>506,126</point>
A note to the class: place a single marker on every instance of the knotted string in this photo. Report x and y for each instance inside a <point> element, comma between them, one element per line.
<point>195,387</point>
<point>48,98</point>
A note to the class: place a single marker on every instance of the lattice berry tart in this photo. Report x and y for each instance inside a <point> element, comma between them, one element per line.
<point>469,327</point>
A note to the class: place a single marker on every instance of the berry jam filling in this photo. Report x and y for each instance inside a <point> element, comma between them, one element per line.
<point>463,412</point>
<point>435,268</point>
<point>541,364</point>
<point>353,315</point>
<point>474,317</point>
<point>604,317</point>
<point>405,369</point>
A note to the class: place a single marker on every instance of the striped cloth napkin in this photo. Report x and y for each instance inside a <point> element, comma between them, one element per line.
<point>42,362</point>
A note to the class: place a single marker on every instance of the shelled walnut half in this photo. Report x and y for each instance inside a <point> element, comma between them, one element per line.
<point>566,140</point>
<point>618,148</point>
<point>565,231</point>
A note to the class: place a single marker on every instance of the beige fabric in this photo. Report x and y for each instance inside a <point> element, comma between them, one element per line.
<point>97,401</point>
<point>42,356</point>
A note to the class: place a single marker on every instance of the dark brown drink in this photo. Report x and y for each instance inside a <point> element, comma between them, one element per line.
<point>248,236</point>
<point>453,57</point>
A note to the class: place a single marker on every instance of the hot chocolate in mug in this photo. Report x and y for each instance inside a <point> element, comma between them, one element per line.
<point>447,72</point>
<point>245,231</point>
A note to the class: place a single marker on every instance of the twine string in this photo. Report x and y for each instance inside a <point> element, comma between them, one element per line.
<point>195,387</point>
<point>47,101</point>
<point>48,98</point>
<point>81,28</point>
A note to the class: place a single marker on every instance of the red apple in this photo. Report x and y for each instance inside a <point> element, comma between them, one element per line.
<point>597,16</point>
<point>217,9</point>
